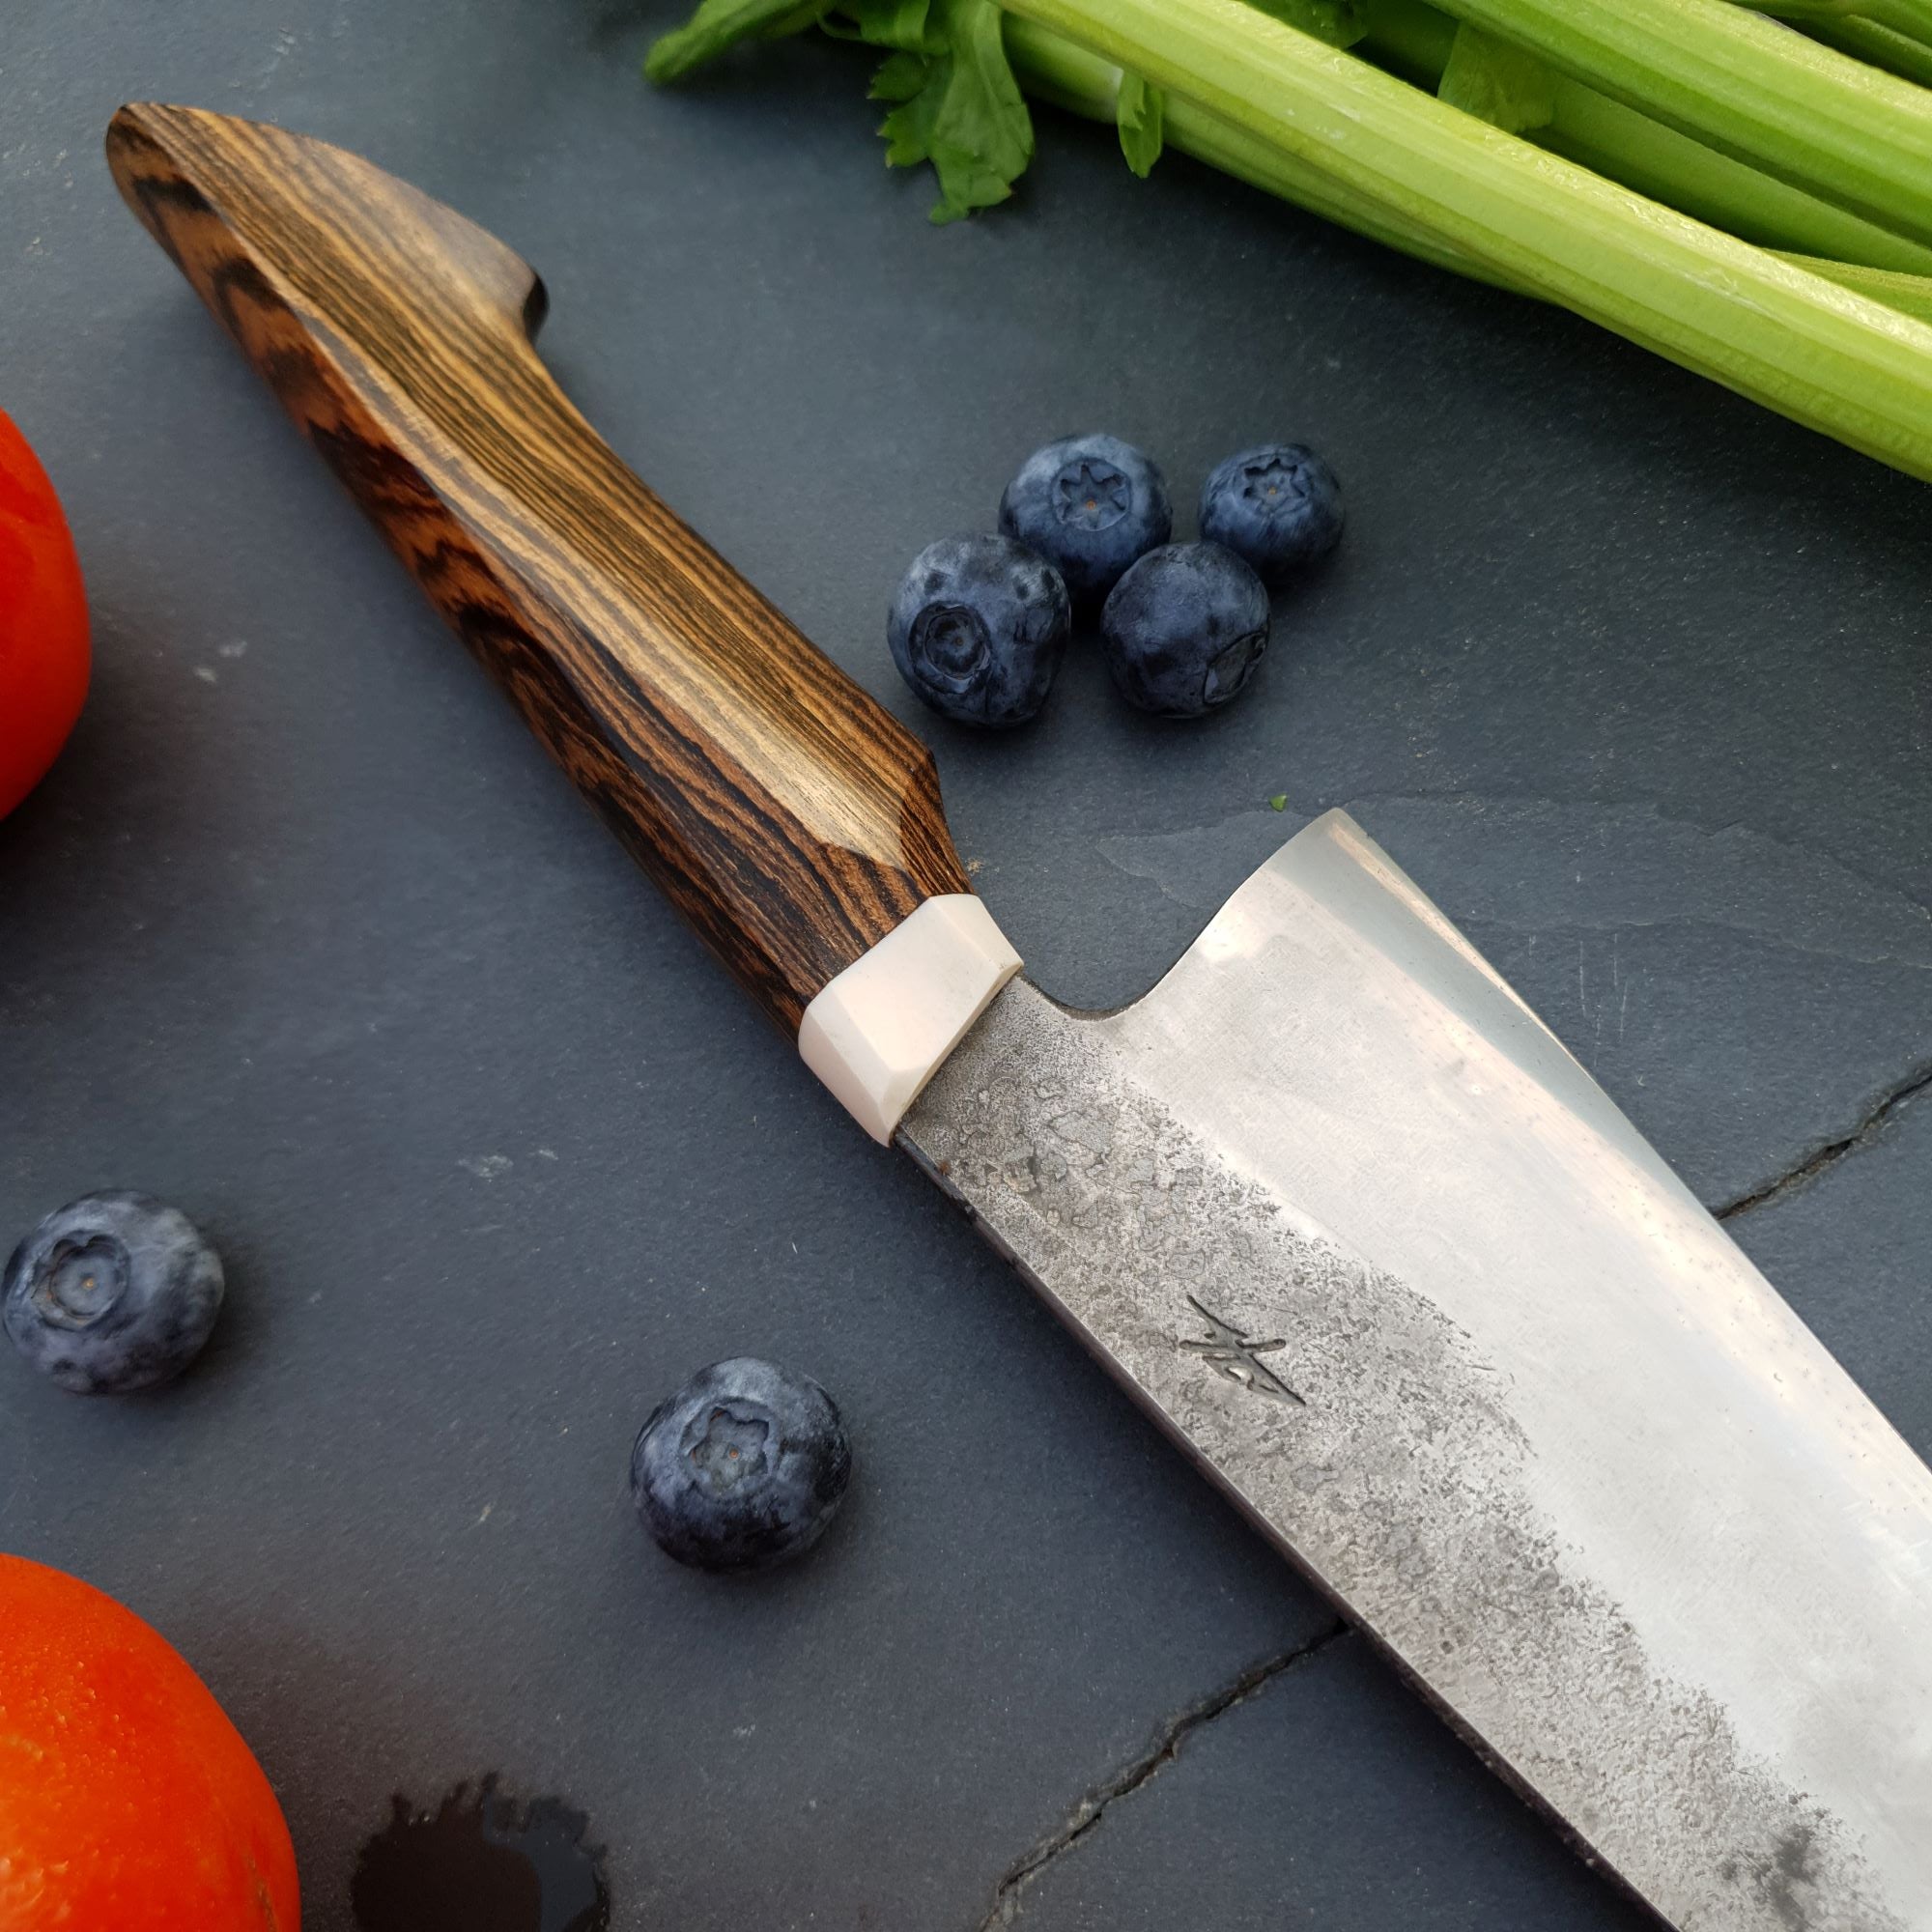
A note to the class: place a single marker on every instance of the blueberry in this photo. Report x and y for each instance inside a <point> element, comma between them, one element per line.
<point>743,1468</point>
<point>1090,506</point>
<point>114,1292</point>
<point>1277,508</point>
<point>978,629</point>
<point>1184,629</point>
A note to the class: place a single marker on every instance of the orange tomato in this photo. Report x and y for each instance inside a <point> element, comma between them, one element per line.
<point>128,1800</point>
<point>44,655</point>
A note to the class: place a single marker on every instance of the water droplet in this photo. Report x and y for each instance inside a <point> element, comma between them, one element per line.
<point>481,1863</point>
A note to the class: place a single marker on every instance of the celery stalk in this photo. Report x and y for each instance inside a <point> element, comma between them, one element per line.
<point>1748,86</point>
<point>1911,295</point>
<point>1616,140</point>
<point>1876,45</point>
<point>1800,9</point>
<point>1413,39</point>
<point>1911,17</point>
<point>1790,338</point>
<point>1410,37</point>
<point>1054,70</point>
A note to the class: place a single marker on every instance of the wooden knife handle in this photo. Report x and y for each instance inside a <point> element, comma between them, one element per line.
<point>793,821</point>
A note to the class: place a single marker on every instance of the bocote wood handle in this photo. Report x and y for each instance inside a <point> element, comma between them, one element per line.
<point>792,820</point>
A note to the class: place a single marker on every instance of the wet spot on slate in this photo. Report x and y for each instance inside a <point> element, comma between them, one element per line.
<point>481,1862</point>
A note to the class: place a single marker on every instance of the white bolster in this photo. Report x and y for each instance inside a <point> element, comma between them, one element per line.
<point>883,1028</point>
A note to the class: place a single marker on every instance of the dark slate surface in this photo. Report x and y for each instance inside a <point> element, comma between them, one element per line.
<point>305,935</point>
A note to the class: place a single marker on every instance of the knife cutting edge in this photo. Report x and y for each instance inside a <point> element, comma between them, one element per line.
<point>1333,1204</point>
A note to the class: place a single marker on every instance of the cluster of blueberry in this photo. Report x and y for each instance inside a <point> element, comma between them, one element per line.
<point>979,624</point>
<point>744,1467</point>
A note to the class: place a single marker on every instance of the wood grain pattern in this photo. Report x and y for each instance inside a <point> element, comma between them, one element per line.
<point>791,819</point>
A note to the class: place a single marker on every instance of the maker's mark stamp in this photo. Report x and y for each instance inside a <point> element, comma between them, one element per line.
<point>1229,1352</point>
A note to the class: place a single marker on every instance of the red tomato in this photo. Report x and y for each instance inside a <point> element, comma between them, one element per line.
<point>128,1800</point>
<point>43,652</point>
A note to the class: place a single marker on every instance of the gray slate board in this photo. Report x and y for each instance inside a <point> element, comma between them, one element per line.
<point>305,934</point>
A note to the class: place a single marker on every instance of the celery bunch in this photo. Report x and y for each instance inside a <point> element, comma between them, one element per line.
<point>1736,192</point>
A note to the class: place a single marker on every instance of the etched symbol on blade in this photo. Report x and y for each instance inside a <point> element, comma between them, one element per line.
<point>1230,1353</point>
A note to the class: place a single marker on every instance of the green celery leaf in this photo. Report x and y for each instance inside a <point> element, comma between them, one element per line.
<point>1339,22</point>
<point>1140,112</point>
<point>905,79</point>
<point>718,24</point>
<point>900,78</point>
<point>960,109</point>
<point>1497,82</point>
<point>904,24</point>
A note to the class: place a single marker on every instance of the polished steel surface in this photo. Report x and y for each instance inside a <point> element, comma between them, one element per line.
<point>1350,1223</point>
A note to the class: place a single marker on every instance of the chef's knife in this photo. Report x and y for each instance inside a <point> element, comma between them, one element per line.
<point>1330,1201</point>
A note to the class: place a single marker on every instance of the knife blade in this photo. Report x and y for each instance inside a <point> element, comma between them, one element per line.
<point>1346,1218</point>
<point>1329,1201</point>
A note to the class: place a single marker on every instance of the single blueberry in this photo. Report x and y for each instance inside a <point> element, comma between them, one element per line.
<point>743,1468</point>
<point>1277,508</point>
<point>1090,506</point>
<point>114,1292</point>
<point>978,628</point>
<point>1184,629</point>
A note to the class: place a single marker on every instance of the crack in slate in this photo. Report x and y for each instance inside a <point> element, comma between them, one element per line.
<point>1832,1152</point>
<point>1164,1749</point>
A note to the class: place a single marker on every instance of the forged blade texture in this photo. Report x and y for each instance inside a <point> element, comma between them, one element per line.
<point>1349,1222</point>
